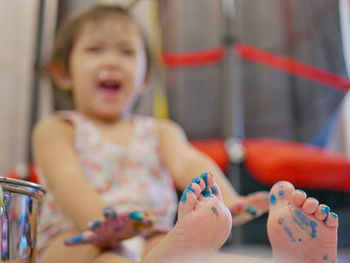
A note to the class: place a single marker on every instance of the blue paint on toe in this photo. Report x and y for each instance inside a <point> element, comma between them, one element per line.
<point>183,198</point>
<point>281,192</point>
<point>204,176</point>
<point>325,257</point>
<point>273,199</point>
<point>334,215</point>
<point>206,193</point>
<point>196,180</point>
<point>325,210</point>
<point>214,190</point>
<point>136,215</point>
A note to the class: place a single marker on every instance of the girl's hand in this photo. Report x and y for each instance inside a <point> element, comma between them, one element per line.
<point>108,232</point>
<point>250,207</point>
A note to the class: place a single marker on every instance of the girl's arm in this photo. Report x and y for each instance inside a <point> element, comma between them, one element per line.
<point>55,155</point>
<point>185,162</point>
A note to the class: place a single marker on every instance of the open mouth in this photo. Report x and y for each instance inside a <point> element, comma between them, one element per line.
<point>109,85</point>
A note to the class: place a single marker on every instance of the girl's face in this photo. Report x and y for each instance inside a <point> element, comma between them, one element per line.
<point>107,68</point>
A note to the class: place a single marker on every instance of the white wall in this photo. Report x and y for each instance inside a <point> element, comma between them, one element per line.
<point>17,30</point>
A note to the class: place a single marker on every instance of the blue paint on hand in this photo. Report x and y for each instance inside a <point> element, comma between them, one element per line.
<point>281,192</point>
<point>136,215</point>
<point>273,199</point>
<point>96,224</point>
<point>109,212</point>
<point>76,239</point>
<point>251,210</point>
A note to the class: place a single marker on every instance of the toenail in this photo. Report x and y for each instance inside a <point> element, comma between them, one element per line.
<point>184,194</point>
<point>273,199</point>
<point>206,193</point>
<point>204,176</point>
<point>196,180</point>
<point>334,215</point>
<point>325,210</point>
<point>214,190</point>
<point>301,191</point>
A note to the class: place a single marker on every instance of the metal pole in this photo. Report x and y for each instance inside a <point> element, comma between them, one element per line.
<point>233,114</point>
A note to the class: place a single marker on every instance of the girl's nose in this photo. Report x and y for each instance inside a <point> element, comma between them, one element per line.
<point>112,59</point>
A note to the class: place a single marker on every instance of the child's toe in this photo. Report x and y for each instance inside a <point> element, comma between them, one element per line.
<point>332,220</point>
<point>322,212</point>
<point>310,205</point>
<point>298,198</point>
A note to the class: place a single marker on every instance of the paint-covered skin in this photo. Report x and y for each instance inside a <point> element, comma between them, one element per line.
<point>250,207</point>
<point>204,222</point>
<point>300,229</point>
<point>108,233</point>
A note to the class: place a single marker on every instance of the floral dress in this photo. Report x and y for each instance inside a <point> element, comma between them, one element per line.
<point>131,178</point>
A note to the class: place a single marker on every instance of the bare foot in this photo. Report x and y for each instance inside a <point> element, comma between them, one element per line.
<point>203,225</point>
<point>299,229</point>
<point>249,207</point>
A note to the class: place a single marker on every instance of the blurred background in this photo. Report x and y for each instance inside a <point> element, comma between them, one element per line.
<point>245,69</point>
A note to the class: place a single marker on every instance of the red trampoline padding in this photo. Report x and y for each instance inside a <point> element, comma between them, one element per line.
<point>270,161</point>
<point>28,173</point>
<point>215,149</point>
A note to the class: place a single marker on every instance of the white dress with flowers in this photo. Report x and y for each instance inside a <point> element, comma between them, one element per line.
<point>132,178</point>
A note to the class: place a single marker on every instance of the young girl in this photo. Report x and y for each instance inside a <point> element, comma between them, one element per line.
<point>104,165</point>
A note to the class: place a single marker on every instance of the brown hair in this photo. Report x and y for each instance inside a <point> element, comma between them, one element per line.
<point>68,33</point>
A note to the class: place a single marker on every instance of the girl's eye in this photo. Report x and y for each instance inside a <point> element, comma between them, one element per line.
<point>128,52</point>
<point>93,49</point>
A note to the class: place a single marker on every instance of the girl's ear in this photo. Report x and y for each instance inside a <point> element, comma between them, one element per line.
<point>59,75</point>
